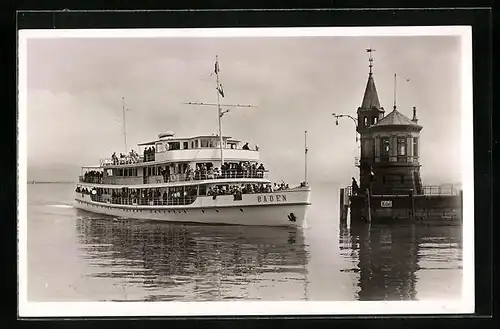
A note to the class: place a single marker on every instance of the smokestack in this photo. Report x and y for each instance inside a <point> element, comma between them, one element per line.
<point>414,115</point>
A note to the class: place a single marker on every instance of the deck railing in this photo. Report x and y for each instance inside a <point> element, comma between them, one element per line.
<point>146,201</point>
<point>94,180</point>
<point>382,159</point>
<point>428,190</point>
<point>440,190</point>
<point>184,177</point>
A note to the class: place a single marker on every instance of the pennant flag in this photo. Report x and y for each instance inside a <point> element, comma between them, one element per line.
<point>216,69</point>
<point>307,149</point>
<point>221,91</point>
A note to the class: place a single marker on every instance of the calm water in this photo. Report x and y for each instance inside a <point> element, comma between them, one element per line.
<point>79,256</point>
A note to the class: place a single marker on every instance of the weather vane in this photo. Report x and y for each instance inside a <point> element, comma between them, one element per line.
<point>370,59</point>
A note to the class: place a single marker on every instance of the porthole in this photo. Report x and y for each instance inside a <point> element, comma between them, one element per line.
<point>203,211</point>
<point>241,209</point>
<point>216,210</point>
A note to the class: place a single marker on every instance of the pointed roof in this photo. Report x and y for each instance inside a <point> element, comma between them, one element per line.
<point>370,98</point>
<point>395,118</point>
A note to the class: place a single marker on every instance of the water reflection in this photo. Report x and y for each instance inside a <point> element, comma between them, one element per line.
<point>388,258</point>
<point>195,262</point>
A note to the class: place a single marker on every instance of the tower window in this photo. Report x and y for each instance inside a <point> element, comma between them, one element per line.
<point>401,146</point>
<point>415,146</point>
<point>385,146</point>
<point>365,120</point>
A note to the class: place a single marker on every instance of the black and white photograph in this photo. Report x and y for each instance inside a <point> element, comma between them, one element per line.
<point>245,171</point>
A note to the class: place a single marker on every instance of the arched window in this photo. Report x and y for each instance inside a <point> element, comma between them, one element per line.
<point>415,146</point>
<point>365,120</point>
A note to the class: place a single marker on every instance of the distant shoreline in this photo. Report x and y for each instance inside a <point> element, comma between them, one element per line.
<point>31,182</point>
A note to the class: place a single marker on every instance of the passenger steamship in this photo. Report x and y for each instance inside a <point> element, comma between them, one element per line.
<point>200,179</point>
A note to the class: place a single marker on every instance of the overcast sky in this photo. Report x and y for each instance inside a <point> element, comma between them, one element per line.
<point>75,88</point>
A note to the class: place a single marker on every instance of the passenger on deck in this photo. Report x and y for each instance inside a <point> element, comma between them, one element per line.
<point>246,147</point>
<point>355,187</point>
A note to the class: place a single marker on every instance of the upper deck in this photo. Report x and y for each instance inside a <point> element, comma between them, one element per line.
<point>192,149</point>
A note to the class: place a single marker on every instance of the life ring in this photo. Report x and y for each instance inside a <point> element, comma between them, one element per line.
<point>172,178</point>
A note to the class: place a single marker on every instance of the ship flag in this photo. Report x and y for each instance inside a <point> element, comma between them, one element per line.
<point>221,91</point>
<point>216,68</point>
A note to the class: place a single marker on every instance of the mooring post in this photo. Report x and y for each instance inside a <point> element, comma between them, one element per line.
<point>461,206</point>
<point>412,211</point>
<point>341,205</point>
<point>368,201</point>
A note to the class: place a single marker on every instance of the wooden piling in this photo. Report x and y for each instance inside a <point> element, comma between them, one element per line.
<point>341,205</point>
<point>369,206</point>
<point>461,206</point>
<point>412,210</point>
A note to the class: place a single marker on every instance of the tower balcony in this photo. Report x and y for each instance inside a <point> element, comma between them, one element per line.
<point>384,160</point>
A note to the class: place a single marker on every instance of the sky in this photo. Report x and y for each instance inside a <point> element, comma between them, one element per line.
<point>75,88</point>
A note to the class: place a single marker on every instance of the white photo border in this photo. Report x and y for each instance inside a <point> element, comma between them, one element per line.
<point>236,308</point>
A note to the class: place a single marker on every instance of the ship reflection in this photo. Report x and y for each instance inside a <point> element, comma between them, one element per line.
<point>194,262</point>
<point>389,257</point>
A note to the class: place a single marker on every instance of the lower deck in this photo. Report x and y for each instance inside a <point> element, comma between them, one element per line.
<point>251,209</point>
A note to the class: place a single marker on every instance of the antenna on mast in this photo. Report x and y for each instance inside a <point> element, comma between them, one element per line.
<point>395,85</point>
<point>124,123</point>
<point>305,157</point>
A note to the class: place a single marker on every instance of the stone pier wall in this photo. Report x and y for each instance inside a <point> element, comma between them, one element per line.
<point>427,209</point>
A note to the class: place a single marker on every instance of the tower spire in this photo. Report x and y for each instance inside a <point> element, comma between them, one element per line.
<point>370,98</point>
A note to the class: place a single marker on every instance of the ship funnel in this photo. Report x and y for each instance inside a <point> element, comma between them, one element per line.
<point>166,135</point>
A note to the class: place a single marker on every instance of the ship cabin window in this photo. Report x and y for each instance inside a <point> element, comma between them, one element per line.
<point>109,172</point>
<point>174,146</point>
<point>196,142</point>
<point>232,145</point>
<point>185,145</point>
<point>204,143</point>
<point>160,147</point>
<point>202,189</point>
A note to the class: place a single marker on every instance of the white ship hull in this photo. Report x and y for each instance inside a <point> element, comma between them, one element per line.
<point>281,208</point>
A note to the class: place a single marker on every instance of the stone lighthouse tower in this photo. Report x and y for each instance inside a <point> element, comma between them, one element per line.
<point>389,152</point>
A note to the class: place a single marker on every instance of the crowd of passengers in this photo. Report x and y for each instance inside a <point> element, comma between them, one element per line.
<point>242,170</point>
<point>246,189</point>
<point>155,196</point>
<point>148,155</point>
<point>132,157</point>
<point>92,176</point>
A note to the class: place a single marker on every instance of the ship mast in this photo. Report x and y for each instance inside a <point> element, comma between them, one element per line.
<point>124,124</point>
<point>220,112</point>
<point>305,157</point>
